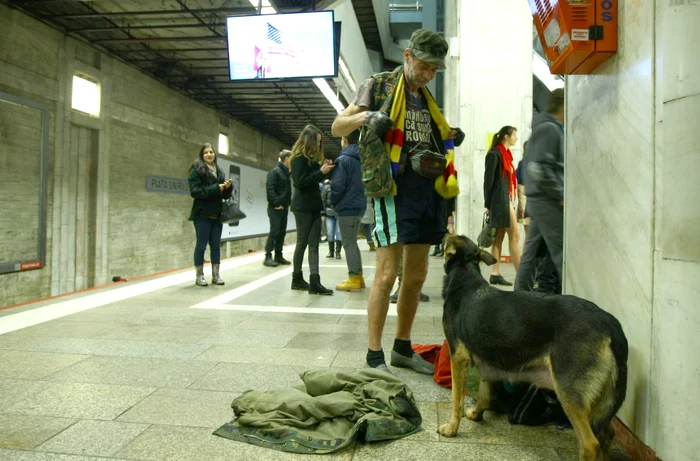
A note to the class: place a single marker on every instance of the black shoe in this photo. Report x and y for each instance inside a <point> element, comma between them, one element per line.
<point>331,250</point>
<point>279,259</point>
<point>298,282</point>
<point>499,280</point>
<point>269,262</point>
<point>436,252</point>
<point>424,298</point>
<point>315,287</point>
<point>393,299</point>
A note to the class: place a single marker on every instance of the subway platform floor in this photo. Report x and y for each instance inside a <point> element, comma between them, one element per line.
<point>147,370</point>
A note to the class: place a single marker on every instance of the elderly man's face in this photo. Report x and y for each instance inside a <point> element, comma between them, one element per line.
<point>419,73</point>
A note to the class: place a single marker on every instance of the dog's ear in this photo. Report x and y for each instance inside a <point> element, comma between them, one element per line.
<point>487,257</point>
<point>452,244</point>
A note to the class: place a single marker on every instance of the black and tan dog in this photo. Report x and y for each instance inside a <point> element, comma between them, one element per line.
<point>563,343</point>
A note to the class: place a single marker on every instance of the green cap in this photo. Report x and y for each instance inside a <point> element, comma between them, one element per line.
<point>429,46</point>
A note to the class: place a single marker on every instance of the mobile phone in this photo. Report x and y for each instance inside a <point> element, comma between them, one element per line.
<point>234,174</point>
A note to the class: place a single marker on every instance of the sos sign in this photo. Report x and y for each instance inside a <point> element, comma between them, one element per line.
<point>607,10</point>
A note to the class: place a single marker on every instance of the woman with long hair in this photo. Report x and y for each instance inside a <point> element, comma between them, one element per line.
<point>208,187</point>
<point>309,168</point>
<point>500,190</point>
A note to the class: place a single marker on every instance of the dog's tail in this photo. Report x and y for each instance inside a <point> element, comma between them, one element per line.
<point>608,408</point>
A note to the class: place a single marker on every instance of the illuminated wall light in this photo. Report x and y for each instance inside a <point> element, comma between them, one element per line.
<point>86,96</point>
<point>346,74</point>
<point>542,72</point>
<point>223,144</point>
<point>328,93</point>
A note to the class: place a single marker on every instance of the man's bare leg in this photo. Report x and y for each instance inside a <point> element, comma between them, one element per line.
<point>415,270</point>
<point>415,260</point>
<point>378,304</point>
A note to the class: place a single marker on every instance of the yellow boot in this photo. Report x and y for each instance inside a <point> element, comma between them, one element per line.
<point>354,283</point>
<point>362,281</point>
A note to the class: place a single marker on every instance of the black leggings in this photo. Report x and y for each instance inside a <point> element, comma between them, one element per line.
<point>308,234</point>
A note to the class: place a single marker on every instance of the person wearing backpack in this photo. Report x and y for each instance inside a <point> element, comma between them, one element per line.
<point>406,147</point>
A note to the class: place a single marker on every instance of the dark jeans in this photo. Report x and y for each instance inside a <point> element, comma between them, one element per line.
<point>208,231</point>
<point>369,228</point>
<point>349,227</point>
<point>278,230</point>
<point>308,234</point>
<point>538,267</point>
<point>546,227</point>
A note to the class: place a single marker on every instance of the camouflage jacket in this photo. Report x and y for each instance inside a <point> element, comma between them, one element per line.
<point>327,412</point>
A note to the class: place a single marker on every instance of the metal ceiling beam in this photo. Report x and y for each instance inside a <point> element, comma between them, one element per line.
<point>144,27</point>
<point>123,14</point>
<point>173,50</point>
<point>180,59</point>
<point>120,41</point>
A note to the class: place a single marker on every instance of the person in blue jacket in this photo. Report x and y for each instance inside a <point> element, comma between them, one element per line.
<point>349,201</point>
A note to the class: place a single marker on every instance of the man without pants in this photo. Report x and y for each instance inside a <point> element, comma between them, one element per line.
<point>410,221</point>
<point>279,197</point>
<point>544,188</point>
<point>349,202</point>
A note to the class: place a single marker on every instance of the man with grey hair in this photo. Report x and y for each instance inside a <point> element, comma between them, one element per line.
<point>409,218</point>
<point>279,197</point>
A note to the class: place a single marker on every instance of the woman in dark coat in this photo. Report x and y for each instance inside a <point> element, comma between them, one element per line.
<point>208,187</point>
<point>309,168</point>
<point>500,189</point>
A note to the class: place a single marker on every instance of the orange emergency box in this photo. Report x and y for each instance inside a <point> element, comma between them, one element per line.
<point>576,35</point>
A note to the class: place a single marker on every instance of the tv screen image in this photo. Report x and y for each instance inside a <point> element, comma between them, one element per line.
<point>279,46</point>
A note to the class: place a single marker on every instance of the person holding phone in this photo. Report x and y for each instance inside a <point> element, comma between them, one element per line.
<point>308,168</point>
<point>208,187</point>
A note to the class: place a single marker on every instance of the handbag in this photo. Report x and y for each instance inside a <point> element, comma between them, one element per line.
<point>487,235</point>
<point>230,211</point>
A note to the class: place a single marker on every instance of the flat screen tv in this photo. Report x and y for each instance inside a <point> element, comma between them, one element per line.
<point>282,46</point>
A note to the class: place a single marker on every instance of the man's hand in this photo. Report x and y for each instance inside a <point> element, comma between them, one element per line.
<point>458,135</point>
<point>279,207</point>
<point>379,122</point>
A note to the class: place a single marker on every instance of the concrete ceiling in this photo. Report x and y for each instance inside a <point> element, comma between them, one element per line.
<point>182,43</point>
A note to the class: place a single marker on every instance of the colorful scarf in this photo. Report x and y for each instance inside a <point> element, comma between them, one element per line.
<point>446,185</point>
<point>507,169</point>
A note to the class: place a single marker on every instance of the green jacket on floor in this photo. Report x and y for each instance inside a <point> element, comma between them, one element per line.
<point>326,413</point>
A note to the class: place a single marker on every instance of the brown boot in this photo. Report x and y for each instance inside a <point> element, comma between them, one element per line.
<point>372,247</point>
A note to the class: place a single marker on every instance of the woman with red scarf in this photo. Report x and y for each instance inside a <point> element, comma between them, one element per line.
<point>500,190</point>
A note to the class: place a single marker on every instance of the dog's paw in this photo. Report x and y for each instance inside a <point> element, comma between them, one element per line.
<point>448,430</point>
<point>473,415</point>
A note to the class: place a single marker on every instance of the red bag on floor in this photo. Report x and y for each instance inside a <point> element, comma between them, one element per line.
<point>440,356</point>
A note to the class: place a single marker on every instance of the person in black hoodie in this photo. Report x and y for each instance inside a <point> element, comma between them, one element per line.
<point>308,170</point>
<point>279,197</point>
<point>208,187</point>
<point>349,201</point>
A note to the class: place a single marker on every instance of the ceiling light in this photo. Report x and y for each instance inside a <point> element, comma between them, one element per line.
<point>267,8</point>
<point>328,93</point>
<point>346,74</point>
<point>541,71</point>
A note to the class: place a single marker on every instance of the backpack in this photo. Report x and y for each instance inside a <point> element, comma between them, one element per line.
<point>376,164</point>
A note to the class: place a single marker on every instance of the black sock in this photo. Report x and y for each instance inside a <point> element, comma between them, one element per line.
<point>403,347</point>
<point>375,358</point>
